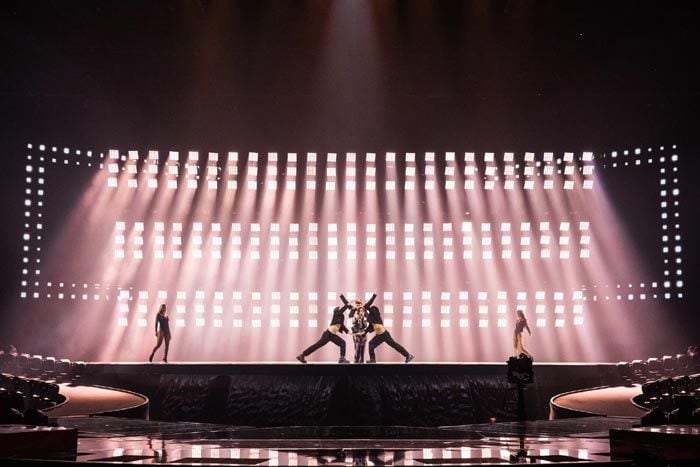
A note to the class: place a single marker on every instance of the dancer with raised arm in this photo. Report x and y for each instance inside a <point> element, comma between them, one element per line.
<point>162,334</point>
<point>519,336</point>
<point>330,335</point>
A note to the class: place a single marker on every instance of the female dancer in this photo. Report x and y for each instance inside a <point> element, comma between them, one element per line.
<point>330,335</point>
<point>163,334</point>
<point>519,337</point>
<point>360,327</point>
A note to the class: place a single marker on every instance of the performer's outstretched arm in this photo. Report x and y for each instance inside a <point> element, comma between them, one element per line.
<point>370,301</point>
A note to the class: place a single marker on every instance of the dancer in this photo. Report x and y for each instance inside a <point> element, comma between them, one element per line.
<point>382,335</point>
<point>330,335</point>
<point>519,337</point>
<point>162,334</point>
<point>360,327</point>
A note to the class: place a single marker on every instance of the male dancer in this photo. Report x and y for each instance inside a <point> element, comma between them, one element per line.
<point>330,335</point>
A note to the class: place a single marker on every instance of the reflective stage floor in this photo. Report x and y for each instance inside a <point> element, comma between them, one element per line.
<point>119,440</point>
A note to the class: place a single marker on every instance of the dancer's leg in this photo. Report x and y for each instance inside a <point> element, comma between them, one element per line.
<point>395,345</point>
<point>167,347</point>
<point>323,340</point>
<point>339,341</point>
<point>373,343</point>
<point>159,341</point>
<point>521,345</point>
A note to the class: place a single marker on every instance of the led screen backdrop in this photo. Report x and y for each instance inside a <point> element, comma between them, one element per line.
<point>251,250</point>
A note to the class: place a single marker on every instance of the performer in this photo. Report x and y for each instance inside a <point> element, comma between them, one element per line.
<point>330,335</point>
<point>360,327</point>
<point>376,324</point>
<point>162,334</point>
<point>519,337</point>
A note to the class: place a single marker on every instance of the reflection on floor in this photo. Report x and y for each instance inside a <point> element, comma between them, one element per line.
<point>108,439</point>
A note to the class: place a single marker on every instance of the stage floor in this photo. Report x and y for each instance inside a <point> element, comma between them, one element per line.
<point>115,440</point>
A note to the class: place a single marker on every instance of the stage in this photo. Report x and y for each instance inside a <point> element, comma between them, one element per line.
<point>325,394</point>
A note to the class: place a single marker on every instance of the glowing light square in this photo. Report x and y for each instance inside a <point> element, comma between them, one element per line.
<point>407,323</point>
<point>524,255</point>
<point>501,323</point>
<point>487,254</point>
<point>564,254</point>
<point>483,323</point>
<point>541,322</point>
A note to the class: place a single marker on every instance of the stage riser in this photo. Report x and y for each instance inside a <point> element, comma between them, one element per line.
<point>313,395</point>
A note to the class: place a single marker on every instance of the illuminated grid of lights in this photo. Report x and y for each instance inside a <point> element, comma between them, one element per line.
<point>495,170</point>
<point>118,165</point>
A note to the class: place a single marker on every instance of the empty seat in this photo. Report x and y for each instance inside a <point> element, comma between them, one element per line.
<point>668,363</point>
<point>63,366</point>
<point>49,364</point>
<point>653,365</point>
<point>23,361</point>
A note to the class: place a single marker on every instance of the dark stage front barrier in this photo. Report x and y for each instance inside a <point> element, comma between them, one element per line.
<point>331,394</point>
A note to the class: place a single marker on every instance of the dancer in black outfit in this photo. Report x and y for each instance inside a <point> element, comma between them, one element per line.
<point>163,334</point>
<point>330,335</point>
<point>360,327</point>
<point>376,324</point>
